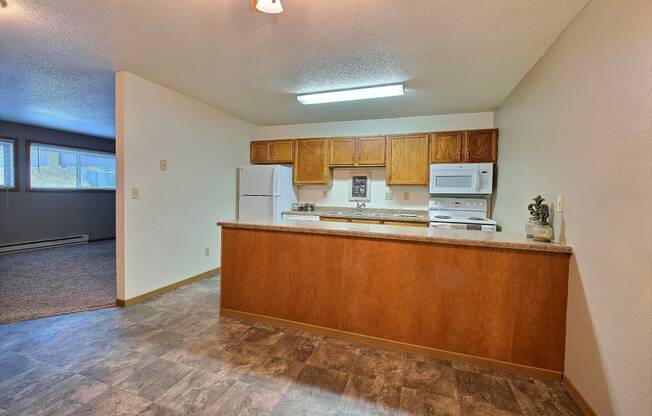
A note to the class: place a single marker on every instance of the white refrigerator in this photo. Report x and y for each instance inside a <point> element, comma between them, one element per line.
<point>264,191</point>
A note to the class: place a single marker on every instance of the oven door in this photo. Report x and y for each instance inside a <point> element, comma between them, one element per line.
<point>459,181</point>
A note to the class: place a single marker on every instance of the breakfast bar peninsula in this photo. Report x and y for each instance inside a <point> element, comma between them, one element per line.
<point>493,299</point>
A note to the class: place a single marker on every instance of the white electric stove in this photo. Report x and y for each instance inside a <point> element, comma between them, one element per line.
<point>460,213</point>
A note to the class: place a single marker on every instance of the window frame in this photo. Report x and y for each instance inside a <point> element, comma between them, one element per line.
<point>16,187</point>
<point>28,168</point>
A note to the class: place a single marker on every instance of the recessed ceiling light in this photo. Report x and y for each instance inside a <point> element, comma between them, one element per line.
<point>269,6</point>
<point>3,4</point>
<point>352,95</point>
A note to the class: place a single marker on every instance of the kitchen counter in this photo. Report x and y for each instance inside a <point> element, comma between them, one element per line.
<point>493,299</point>
<point>380,214</point>
<point>405,233</point>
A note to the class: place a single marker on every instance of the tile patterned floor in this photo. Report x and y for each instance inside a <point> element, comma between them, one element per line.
<point>174,356</point>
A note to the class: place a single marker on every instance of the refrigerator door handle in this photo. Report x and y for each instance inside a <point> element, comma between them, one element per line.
<point>275,181</point>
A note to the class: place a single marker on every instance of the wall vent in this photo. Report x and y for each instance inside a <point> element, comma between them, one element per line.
<point>53,242</point>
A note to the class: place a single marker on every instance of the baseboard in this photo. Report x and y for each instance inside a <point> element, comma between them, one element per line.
<point>165,289</point>
<point>397,346</point>
<point>577,396</point>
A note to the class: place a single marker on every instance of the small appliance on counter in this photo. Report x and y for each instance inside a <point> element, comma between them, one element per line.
<point>264,191</point>
<point>460,213</point>
<point>304,206</point>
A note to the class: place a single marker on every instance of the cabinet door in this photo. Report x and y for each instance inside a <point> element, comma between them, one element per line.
<point>362,221</point>
<point>281,151</point>
<point>446,147</point>
<point>407,223</point>
<point>311,162</point>
<point>407,160</point>
<point>342,151</point>
<point>259,152</point>
<point>481,146</point>
<point>334,219</point>
<point>370,151</point>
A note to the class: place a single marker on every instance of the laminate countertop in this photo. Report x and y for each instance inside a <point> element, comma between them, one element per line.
<point>378,214</point>
<point>406,233</point>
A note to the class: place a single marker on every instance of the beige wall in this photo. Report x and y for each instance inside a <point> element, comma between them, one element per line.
<point>379,126</point>
<point>337,194</point>
<point>580,125</point>
<point>161,236</point>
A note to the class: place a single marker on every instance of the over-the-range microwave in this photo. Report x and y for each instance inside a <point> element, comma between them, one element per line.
<point>461,178</point>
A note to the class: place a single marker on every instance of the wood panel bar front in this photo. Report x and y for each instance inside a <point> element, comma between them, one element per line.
<point>492,303</point>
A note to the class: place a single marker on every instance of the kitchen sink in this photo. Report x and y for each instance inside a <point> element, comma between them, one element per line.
<point>354,213</point>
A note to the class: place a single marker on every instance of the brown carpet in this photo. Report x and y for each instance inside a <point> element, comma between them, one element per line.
<point>58,280</point>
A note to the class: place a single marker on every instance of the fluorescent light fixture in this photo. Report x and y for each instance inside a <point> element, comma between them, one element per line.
<point>269,6</point>
<point>352,95</point>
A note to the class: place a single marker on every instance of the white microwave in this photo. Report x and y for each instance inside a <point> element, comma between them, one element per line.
<point>461,178</point>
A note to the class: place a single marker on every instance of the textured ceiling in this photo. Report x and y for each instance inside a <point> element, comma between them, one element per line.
<point>57,58</point>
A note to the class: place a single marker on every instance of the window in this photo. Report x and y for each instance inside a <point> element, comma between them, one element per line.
<point>68,168</point>
<point>7,163</point>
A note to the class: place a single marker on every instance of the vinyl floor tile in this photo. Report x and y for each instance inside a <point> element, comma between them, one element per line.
<point>28,384</point>
<point>153,380</point>
<point>174,355</point>
<point>196,394</point>
<point>491,390</point>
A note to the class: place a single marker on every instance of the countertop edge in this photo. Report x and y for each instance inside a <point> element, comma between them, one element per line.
<point>534,246</point>
<point>420,220</point>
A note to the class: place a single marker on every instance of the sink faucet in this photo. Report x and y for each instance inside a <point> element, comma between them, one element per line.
<point>359,205</point>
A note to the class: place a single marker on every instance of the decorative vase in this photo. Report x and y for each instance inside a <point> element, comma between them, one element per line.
<point>535,215</point>
<point>537,227</point>
<point>542,232</point>
<point>529,226</point>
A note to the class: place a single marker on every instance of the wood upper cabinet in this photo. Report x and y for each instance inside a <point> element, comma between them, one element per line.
<point>311,162</point>
<point>342,151</point>
<point>471,146</point>
<point>446,147</point>
<point>271,151</point>
<point>481,146</point>
<point>281,151</point>
<point>407,159</point>
<point>370,151</point>
<point>358,151</point>
<point>258,152</point>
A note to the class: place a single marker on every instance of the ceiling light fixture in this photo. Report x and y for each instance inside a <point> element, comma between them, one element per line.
<point>3,4</point>
<point>268,6</point>
<point>352,95</point>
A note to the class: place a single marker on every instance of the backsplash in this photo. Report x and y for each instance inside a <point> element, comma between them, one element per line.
<point>337,193</point>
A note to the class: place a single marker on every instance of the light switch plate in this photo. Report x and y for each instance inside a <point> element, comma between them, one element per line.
<point>560,203</point>
<point>207,252</point>
<point>164,165</point>
<point>406,196</point>
<point>135,193</point>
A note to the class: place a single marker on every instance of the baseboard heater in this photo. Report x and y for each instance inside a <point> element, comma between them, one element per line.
<point>53,242</point>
